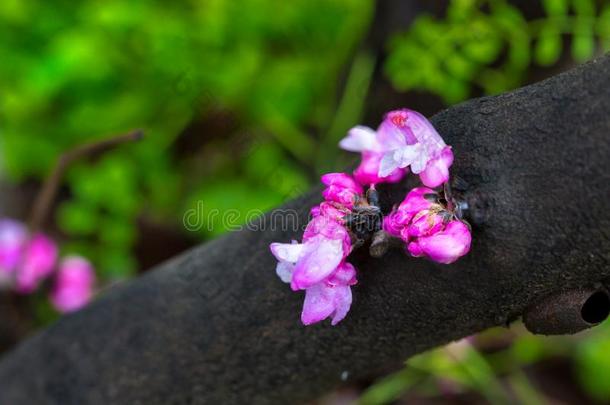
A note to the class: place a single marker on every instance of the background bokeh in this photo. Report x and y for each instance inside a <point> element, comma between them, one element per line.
<point>243,103</point>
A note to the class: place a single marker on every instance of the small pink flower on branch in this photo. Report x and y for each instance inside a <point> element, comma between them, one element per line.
<point>405,139</point>
<point>428,227</point>
<point>365,140</point>
<point>317,264</point>
<point>341,188</point>
<point>445,246</point>
<point>427,222</point>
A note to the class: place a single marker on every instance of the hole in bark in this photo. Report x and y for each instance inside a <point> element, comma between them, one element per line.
<point>596,308</point>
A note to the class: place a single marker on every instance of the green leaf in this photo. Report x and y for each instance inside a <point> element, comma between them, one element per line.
<point>602,28</point>
<point>390,388</point>
<point>593,365</point>
<point>460,66</point>
<point>548,47</point>
<point>460,10</point>
<point>584,8</point>
<point>77,218</point>
<point>555,8</point>
<point>116,263</point>
<point>455,90</point>
<point>583,41</point>
<point>119,232</point>
<point>483,44</point>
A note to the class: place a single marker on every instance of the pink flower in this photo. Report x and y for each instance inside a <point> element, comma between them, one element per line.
<point>341,188</point>
<point>445,246</point>
<point>331,297</point>
<point>74,284</point>
<point>404,139</point>
<point>414,202</point>
<point>37,263</point>
<point>317,266</point>
<point>410,140</point>
<point>365,140</point>
<point>13,235</point>
<point>325,244</point>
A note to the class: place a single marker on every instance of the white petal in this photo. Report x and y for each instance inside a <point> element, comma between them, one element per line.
<point>419,163</point>
<point>387,165</point>
<point>317,263</point>
<point>425,132</point>
<point>407,154</point>
<point>342,299</point>
<point>287,252</point>
<point>284,271</point>
<point>318,304</point>
<point>360,139</point>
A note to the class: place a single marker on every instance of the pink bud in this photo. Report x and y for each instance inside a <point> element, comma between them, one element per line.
<point>341,188</point>
<point>445,246</point>
<point>328,210</point>
<point>425,223</point>
<point>414,202</point>
<point>74,284</point>
<point>36,264</point>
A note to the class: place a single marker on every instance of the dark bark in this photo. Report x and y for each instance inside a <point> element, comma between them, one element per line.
<point>215,325</point>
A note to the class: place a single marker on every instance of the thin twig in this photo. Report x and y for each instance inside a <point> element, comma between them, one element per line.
<point>49,190</point>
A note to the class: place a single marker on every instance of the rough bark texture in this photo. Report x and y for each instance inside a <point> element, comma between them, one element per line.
<point>215,325</point>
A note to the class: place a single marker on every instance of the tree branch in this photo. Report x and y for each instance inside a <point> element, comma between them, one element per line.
<point>215,325</point>
<point>49,190</point>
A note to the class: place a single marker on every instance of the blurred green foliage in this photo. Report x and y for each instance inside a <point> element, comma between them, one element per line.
<point>72,73</point>
<point>497,364</point>
<point>490,45</point>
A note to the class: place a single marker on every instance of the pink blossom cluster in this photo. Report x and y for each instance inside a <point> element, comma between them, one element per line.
<point>405,141</point>
<point>26,261</point>
<point>318,265</point>
<point>428,228</point>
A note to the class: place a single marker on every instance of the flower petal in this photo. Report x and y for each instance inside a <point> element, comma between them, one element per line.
<point>425,132</point>
<point>368,170</point>
<point>341,180</point>
<point>425,223</point>
<point>342,297</point>
<point>328,228</point>
<point>393,133</point>
<point>448,245</point>
<point>318,304</point>
<point>286,252</point>
<point>408,154</point>
<point>345,274</point>
<point>360,139</point>
<point>437,170</point>
<point>284,271</point>
<point>319,260</point>
<point>387,165</point>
